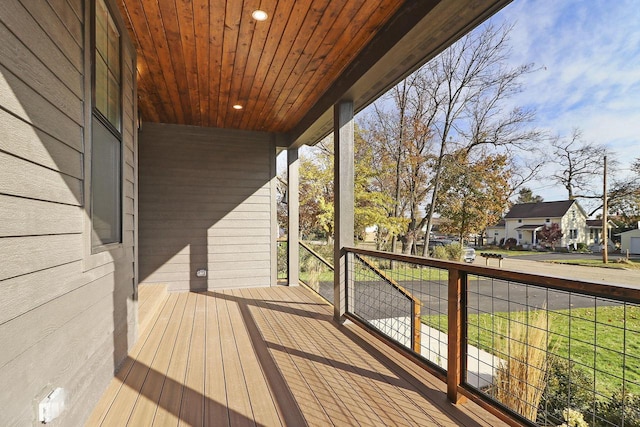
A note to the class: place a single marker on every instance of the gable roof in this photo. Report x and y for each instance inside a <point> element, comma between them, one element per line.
<point>500,224</point>
<point>541,210</point>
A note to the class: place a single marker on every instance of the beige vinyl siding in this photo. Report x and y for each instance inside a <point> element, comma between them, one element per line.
<point>64,322</point>
<point>206,202</point>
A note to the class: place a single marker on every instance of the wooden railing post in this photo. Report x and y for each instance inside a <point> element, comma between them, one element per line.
<point>456,347</point>
<point>416,327</point>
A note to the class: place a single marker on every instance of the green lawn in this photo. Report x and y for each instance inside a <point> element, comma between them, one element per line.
<point>406,274</point>
<point>592,338</point>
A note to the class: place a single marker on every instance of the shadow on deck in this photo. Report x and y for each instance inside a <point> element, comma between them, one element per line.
<point>268,357</point>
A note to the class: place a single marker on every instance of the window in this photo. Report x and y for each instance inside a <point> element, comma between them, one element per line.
<point>547,220</point>
<point>573,233</point>
<point>107,66</point>
<point>519,221</point>
<point>106,145</point>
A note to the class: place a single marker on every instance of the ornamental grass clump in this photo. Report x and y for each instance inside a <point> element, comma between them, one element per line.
<point>522,375</point>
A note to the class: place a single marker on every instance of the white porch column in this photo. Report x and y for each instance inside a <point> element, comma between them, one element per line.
<point>293,206</point>
<point>343,141</point>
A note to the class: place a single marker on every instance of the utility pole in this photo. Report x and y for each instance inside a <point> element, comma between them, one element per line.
<point>605,230</point>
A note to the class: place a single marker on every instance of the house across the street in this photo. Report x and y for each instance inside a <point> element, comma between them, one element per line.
<point>525,220</point>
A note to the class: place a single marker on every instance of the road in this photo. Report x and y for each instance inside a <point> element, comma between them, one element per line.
<point>377,299</point>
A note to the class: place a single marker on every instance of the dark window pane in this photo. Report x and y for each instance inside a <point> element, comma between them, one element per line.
<point>106,186</point>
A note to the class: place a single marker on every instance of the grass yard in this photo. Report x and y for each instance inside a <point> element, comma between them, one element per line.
<point>417,274</point>
<point>594,339</point>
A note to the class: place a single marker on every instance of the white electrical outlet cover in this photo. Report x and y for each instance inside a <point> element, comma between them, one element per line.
<point>51,406</point>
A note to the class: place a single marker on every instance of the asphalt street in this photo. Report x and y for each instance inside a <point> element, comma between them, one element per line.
<point>376,299</point>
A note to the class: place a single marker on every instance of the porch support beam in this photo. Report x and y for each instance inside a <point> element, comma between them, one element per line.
<point>293,207</point>
<point>343,142</point>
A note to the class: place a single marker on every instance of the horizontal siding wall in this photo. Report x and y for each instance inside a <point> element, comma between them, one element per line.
<point>64,322</point>
<point>205,202</point>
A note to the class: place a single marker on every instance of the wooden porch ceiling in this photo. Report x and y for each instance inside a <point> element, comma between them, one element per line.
<point>270,357</point>
<point>198,58</point>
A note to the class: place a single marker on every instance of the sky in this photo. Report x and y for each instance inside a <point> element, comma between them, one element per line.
<point>588,57</point>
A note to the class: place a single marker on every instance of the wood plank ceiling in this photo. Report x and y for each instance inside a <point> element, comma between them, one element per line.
<point>198,58</point>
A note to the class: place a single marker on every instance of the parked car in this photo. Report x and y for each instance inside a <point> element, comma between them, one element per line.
<point>469,255</point>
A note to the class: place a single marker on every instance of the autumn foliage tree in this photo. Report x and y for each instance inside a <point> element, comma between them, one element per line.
<point>456,102</point>
<point>372,207</point>
<point>474,193</point>
<point>550,235</point>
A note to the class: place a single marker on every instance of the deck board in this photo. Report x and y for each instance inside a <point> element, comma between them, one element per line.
<point>270,357</point>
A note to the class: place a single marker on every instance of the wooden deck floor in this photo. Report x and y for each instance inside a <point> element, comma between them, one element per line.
<point>269,357</point>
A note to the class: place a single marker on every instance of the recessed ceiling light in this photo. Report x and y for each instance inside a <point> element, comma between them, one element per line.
<point>259,15</point>
<point>237,107</point>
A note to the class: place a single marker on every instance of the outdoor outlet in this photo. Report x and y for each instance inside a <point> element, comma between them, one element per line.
<point>51,406</point>
<point>201,272</point>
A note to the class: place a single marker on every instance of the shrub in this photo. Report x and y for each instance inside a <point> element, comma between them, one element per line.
<point>510,243</point>
<point>620,407</point>
<point>582,247</point>
<point>451,252</point>
<point>568,386</point>
<point>440,252</point>
<point>454,251</point>
<point>573,418</point>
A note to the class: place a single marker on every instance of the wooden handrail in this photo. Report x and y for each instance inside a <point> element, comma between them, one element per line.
<point>317,255</point>
<point>625,293</point>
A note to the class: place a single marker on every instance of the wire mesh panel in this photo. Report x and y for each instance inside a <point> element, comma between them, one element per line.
<point>283,260</point>
<point>405,301</point>
<point>316,273</point>
<point>554,356</point>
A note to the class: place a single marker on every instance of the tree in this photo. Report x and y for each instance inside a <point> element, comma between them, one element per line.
<point>403,153</point>
<point>525,195</point>
<point>624,197</point>
<point>580,163</point>
<point>455,102</point>
<point>316,193</point>
<point>471,82</point>
<point>317,198</point>
<point>474,194</point>
<point>550,235</point>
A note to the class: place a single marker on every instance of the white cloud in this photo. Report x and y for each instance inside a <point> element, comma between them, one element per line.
<point>588,55</point>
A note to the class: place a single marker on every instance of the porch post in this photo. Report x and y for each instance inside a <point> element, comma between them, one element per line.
<point>293,206</point>
<point>343,141</point>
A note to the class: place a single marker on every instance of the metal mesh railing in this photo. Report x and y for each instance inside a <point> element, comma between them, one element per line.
<point>551,354</point>
<point>282,260</point>
<point>548,351</point>
<point>405,301</point>
<point>316,272</point>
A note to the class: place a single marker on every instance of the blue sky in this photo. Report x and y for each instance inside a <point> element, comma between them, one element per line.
<point>588,53</point>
